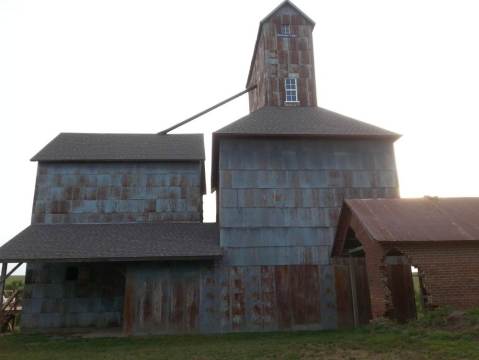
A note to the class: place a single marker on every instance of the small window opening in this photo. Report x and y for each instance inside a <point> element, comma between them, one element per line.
<point>285,29</point>
<point>71,274</point>
<point>291,87</point>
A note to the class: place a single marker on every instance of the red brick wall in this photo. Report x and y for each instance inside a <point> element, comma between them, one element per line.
<point>277,57</point>
<point>375,269</point>
<point>450,272</point>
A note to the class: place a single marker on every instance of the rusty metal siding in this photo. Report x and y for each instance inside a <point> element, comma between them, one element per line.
<point>279,204</point>
<point>277,56</point>
<point>117,192</point>
<point>203,297</point>
<point>94,300</point>
<point>162,298</point>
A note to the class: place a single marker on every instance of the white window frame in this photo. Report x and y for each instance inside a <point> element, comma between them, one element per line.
<point>291,90</point>
<point>285,29</point>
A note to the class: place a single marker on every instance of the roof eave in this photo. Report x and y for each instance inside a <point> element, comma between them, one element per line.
<point>392,136</point>
<point>112,259</point>
<point>63,161</point>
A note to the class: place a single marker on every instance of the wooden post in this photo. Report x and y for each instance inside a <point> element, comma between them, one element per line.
<point>354,295</point>
<point>3,277</point>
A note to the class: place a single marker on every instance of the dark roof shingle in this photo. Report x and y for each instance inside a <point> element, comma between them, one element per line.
<point>113,242</point>
<point>123,147</point>
<point>310,120</point>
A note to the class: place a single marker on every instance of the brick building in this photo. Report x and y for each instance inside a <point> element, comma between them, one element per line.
<point>117,236</point>
<point>440,237</point>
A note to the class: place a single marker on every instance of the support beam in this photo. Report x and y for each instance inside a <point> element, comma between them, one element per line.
<point>354,293</point>
<point>3,277</point>
<point>9,301</point>
<point>166,131</point>
<point>13,270</point>
<point>355,250</point>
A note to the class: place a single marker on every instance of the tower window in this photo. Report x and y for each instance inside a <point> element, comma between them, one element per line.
<point>291,87</point>
<point>285,29</point>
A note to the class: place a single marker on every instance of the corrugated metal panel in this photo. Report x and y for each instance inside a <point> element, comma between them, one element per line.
<point>425,219</point>
<point>179,298</point>
<point>163,298</point>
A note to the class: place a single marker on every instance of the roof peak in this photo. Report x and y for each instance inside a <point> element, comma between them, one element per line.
<point>287,3</point>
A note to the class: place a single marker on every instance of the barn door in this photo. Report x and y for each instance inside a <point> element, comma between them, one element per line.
<point>400,284</point>
<point>352,292</point>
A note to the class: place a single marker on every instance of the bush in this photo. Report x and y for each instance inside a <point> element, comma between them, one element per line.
<point>14,285</point>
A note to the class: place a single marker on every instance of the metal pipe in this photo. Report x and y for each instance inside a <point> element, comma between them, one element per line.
<point>164,132</point>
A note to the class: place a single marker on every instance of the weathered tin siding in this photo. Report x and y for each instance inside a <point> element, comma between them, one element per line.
<point>279,203</point>
<point>280,199</point>
<point>100,193</point>
<point>204,297</point>
<point>278,57</point>
<point>51,302</point>
<point>117,192</point>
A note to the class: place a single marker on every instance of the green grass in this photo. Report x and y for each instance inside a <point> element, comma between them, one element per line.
<point>378,341</point>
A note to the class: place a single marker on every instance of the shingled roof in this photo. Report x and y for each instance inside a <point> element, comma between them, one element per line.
<point>113,242</point>
<point>123,147</point>
<point>309,121</point>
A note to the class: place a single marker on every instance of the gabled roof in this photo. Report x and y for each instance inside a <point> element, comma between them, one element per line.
<point>422,220</point>
<point>265,19</point>
<point>283,4</point>
<point>310,121</point>
<point>113,242</point>
<point>123,147</point>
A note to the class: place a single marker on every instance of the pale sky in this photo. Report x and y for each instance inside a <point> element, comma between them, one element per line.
<point>140,66</point>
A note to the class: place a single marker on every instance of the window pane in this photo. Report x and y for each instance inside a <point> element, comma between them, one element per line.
<point>291,89</point>
<point>285,29</point>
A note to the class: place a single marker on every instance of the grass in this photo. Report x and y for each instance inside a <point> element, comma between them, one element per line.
<point>424,339</point>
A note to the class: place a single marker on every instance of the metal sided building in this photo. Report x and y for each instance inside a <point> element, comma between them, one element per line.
<point>106,206</point>
<point>281,174</point>
<point>117,238</point>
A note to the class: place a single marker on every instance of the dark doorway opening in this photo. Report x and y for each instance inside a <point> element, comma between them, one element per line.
<point>399,281</point>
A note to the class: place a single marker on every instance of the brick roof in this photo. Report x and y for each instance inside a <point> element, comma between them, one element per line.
<point>123,147</point>
<point>113,242</point>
